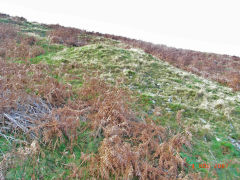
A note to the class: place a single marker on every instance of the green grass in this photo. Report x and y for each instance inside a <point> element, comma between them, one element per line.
<point>158,84</point>
<point>26,27</point>
<point>53,164</point>
<point>211,111</point>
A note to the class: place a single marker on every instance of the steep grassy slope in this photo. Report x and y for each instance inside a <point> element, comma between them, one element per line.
<point>209,110</point>
<point>175,99</point>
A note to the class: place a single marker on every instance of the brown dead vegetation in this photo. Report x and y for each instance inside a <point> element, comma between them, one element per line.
<point>222,68</point>
<point>16,46</point>
<point>67,36</point>
<point>131,147</point>
<point>36,104</point>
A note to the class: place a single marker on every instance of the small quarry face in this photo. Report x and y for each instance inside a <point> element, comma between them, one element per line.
<point>78,105</point>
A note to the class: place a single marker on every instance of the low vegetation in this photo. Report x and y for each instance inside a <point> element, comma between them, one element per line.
<point>221,68</point>
<point>82,105</point>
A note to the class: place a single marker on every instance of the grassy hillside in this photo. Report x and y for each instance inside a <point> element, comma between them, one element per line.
<point>79,105</point>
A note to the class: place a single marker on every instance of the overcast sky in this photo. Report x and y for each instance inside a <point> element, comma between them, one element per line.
<point>204,25</point>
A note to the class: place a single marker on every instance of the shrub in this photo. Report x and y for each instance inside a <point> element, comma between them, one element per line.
<point>68,36</point>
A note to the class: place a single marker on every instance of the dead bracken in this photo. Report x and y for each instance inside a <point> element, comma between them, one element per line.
<point>84,105</point>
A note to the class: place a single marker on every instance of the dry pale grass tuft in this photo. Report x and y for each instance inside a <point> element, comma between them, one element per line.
<point>9,159</point>
<point>4,163</point>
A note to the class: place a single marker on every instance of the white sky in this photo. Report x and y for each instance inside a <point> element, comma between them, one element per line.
<point>204,25</point>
